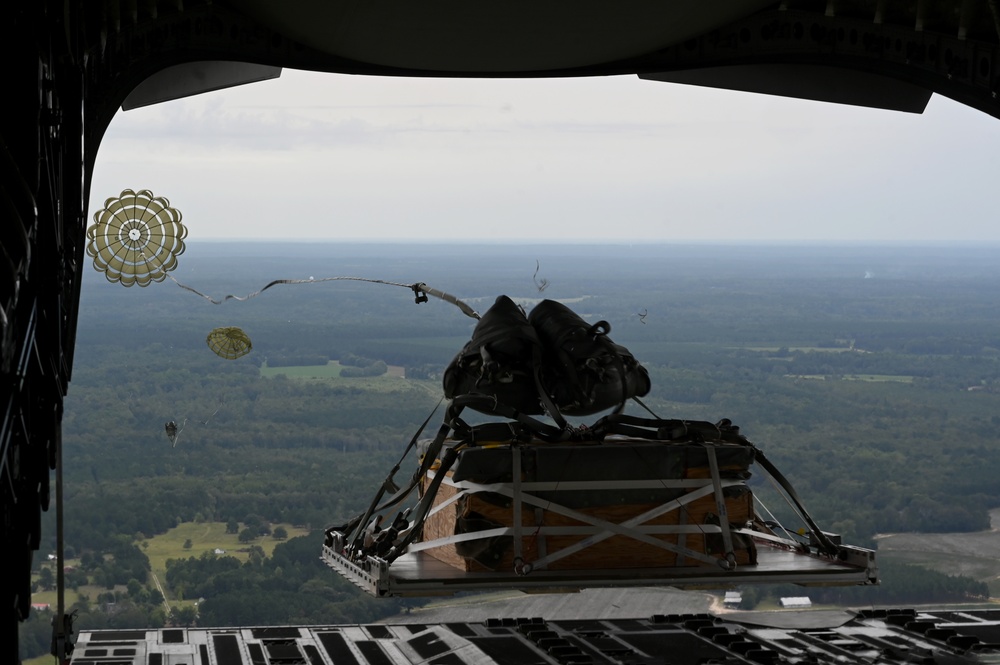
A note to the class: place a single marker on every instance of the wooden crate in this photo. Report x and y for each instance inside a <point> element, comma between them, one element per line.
<point>615,552</point>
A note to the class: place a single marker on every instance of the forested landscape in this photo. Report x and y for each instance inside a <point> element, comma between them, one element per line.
<point>869,375</point>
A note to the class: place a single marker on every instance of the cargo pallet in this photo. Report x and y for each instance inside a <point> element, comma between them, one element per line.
<point>624,511</point>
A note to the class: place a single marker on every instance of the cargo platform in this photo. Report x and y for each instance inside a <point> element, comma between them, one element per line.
<point>616,513</point>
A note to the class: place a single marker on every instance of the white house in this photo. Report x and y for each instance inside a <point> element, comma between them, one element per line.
<point>795,601</point>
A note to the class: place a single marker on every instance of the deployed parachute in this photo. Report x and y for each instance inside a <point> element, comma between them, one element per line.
<point>136,238</point>
<point>229,342</point>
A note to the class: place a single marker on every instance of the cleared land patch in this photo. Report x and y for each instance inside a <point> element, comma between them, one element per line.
<point>803,349</point>
<point>205,537</point>
<point>975,554</point>
<point>871,378</point>
<point>330,372</point>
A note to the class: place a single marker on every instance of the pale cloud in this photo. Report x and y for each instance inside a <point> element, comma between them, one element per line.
<point>342,157</point>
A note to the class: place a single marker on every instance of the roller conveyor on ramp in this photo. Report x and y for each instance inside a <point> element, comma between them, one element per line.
<point>874,636</point>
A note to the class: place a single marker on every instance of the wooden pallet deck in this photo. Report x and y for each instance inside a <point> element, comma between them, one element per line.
<point>418,574</point>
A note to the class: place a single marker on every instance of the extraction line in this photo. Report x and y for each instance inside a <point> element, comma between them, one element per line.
<point>420,291</point>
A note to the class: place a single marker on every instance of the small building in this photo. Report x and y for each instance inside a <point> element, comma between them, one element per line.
<point>795,601</point>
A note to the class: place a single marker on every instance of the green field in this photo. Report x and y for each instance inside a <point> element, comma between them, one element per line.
<point>329,371</point>
<point>70,595</point>
<point>204,537</point>
<point>896,378</point>
<point>975,554</point>
<point>795,348</point>
<point>41,660</point>
<point>329,374</point>
<point>872,378</point>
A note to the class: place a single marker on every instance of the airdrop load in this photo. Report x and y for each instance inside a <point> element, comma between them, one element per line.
<point>533,504</point>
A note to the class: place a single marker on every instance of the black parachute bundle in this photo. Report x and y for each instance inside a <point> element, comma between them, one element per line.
<point>584,371</point>
<point>502,360</point>
<point>550,362</point>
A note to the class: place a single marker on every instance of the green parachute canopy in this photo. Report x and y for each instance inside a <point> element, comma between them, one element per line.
<point>230,342</point>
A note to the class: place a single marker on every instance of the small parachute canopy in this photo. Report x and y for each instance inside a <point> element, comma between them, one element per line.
<point>229,343</point>
<point>136,238</point>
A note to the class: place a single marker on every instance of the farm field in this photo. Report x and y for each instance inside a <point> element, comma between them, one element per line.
<point>205,537</point>
<point>975,554</point>
<point>329,371</point>
<point>872,378</point>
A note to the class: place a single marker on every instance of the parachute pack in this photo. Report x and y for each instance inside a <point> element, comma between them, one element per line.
<point>549,362</point>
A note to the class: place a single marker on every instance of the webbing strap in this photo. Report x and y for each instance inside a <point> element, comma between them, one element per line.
<point>420,288</point>
<point>543,395</point>
<point>426,500</point>
<point>828,545</point>
<point>355,528</point>
<point>659,429</point>
<point>515,460</point>
<point>626,528</point>
<point>543,430</point>
<point>720,503</point>
<point>360,521</point>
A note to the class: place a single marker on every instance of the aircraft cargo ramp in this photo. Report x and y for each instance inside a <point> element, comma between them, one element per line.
<point>875,636</point>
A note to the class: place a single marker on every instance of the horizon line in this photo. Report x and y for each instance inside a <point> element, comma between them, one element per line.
<point>613,242</point>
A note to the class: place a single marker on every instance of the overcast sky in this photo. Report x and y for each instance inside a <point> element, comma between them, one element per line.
<point>324,156</point>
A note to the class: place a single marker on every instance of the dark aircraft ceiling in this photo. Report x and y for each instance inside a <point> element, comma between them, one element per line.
<point>519,37</point>
<point>881,53</point>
